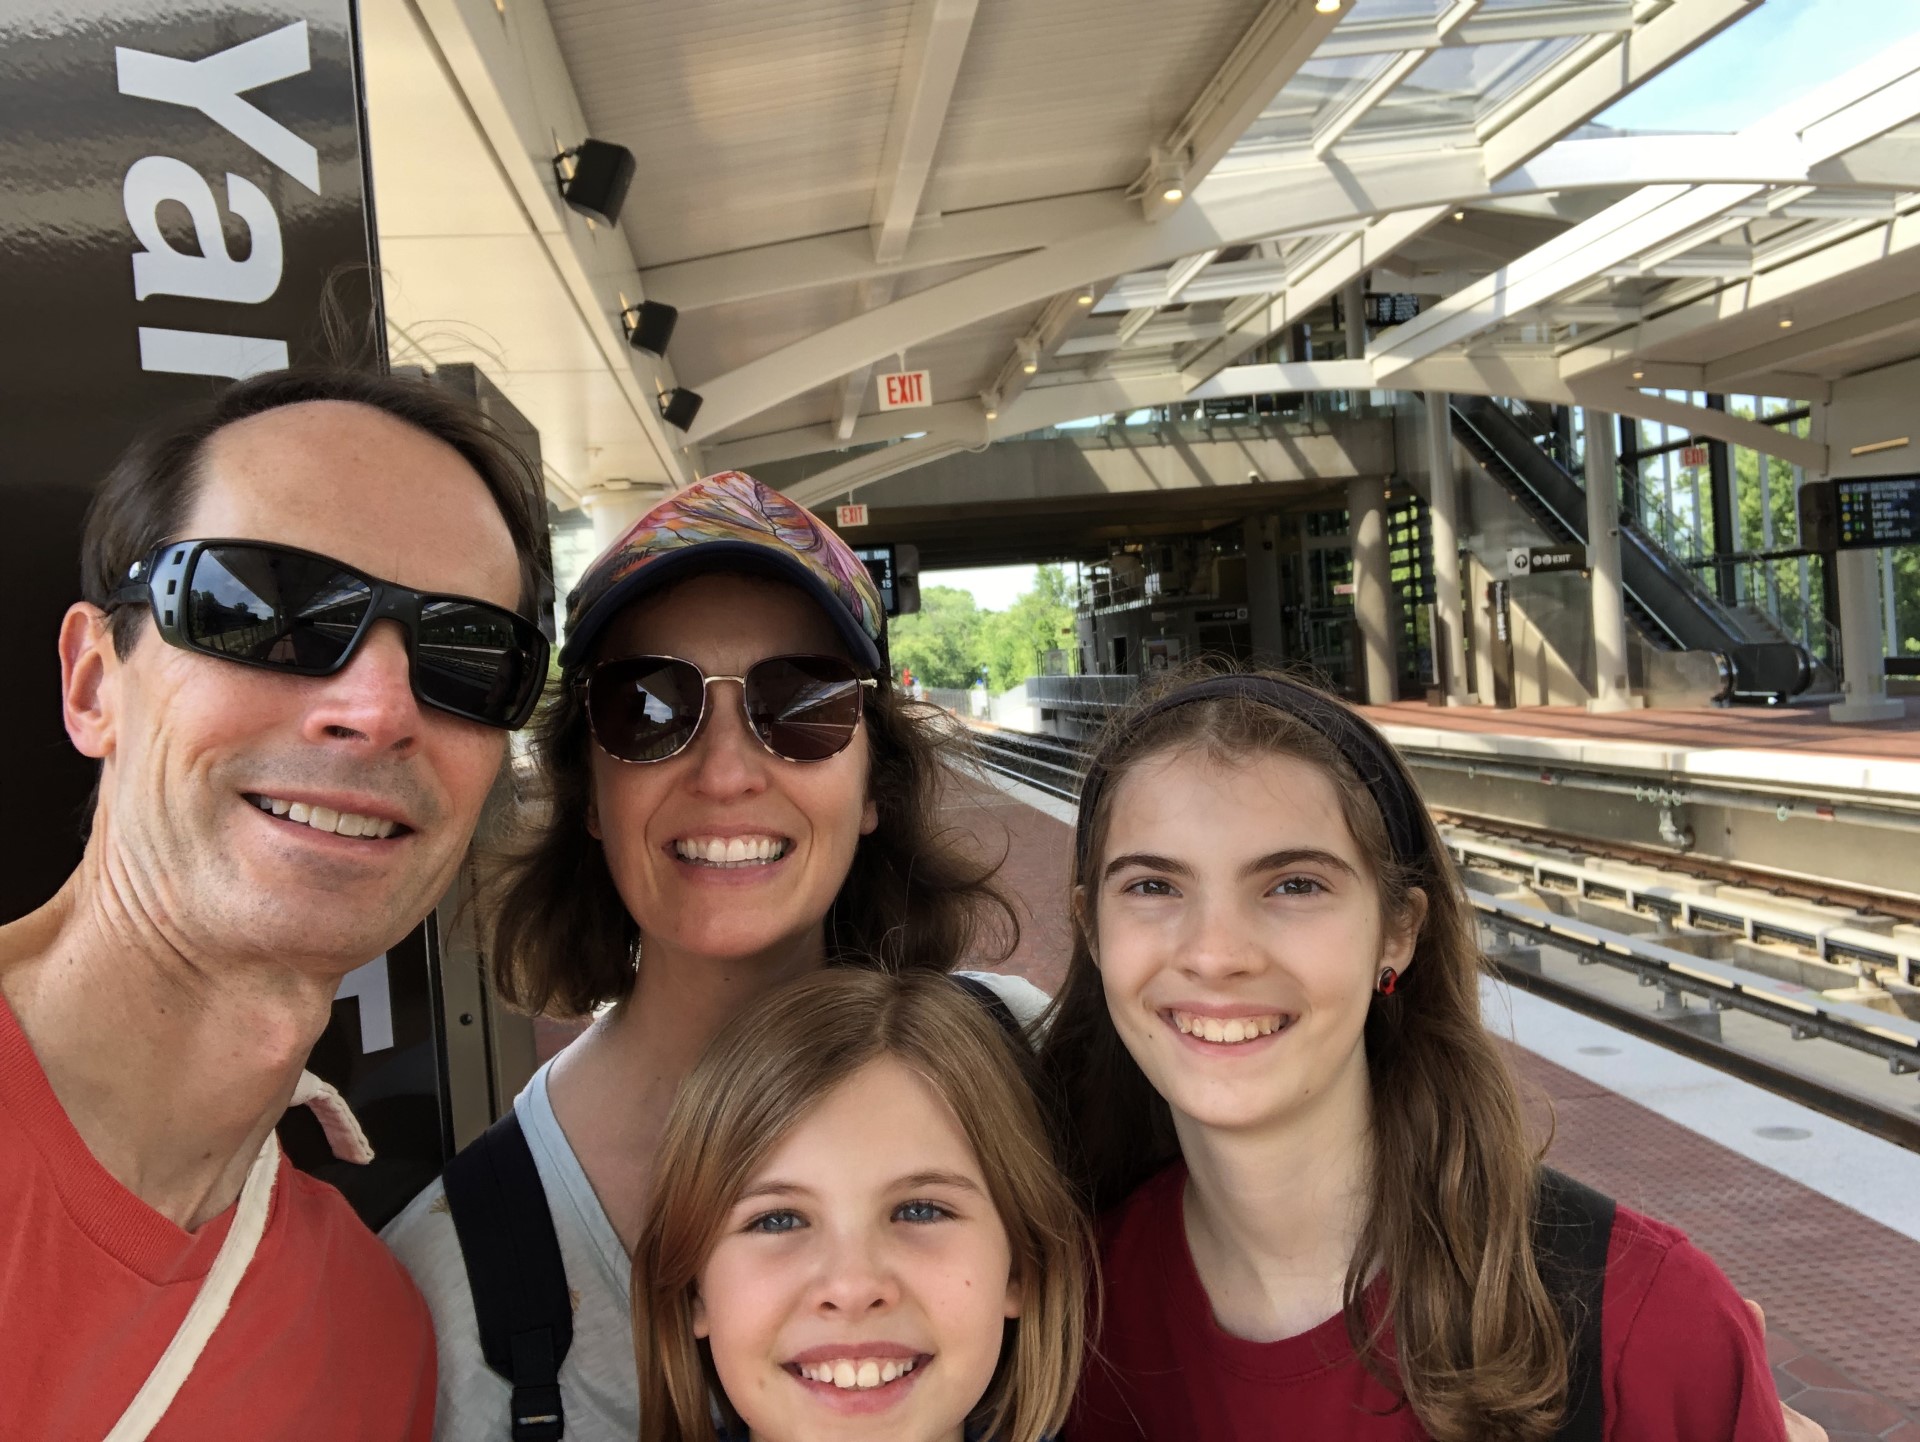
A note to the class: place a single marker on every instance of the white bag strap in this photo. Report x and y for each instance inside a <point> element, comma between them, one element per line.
<point>156,1394</point>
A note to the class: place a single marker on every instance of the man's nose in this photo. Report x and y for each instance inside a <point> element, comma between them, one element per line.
<point>370,700</point>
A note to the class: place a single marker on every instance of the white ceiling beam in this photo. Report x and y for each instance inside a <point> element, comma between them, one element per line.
<point>1638,223</point>
<point>1711,424</point>
<point>1595,75</point>
<point>1183,273</point>
<point>1232,209</point>
<point>1221,282</point>
<point>510,72</point>
<point>1503,27</point>
<point>1309,286</point>
<point>937,34</point>
<point>1281,39</point>
<point>948,417</point>
<point>1343,117</point>
<point>1803,340</point>
<point>853,385</point>
<point>846,257</point>
<point>864,470</point>
<point>1165,331</point>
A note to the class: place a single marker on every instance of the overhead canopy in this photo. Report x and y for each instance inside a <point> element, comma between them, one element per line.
<point>1087,206</point>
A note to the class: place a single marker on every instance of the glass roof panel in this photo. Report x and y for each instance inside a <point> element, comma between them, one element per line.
<point>1316,90</point>
<point>1457,84</point>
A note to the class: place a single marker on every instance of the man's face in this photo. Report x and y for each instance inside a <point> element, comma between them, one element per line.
<point>197,750</point>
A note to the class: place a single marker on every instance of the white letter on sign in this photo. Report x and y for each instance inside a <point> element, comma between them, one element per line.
<point>213,274</point>
<point>196,353</point>
<point>214,85</point>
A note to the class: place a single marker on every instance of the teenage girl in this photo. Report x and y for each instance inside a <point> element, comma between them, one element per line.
<point>1325,1217</point>
<point>857,1229</point>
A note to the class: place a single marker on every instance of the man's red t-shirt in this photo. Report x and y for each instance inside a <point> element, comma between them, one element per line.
<point>1680,1358</point>
<point>326,1339</point>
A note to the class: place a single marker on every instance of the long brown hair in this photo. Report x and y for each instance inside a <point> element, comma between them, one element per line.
<point>1480,1349</point>
<point>772,1065</point>
<point>561,938</point>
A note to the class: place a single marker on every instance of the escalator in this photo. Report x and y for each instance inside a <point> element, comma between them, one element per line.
<point>1663,600</point>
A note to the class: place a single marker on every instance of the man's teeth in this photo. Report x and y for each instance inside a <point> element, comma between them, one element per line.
<point>325,818</point>
<point>850,1373</point>
<point>1235,1029</point>
<point>735,851</point>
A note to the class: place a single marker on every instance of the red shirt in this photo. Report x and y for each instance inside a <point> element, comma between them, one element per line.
<point>1681,1361</point>
<point>326,1339</point>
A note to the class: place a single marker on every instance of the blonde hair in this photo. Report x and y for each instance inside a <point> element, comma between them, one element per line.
<point>759,1078</point>
<point>1479,1348</point>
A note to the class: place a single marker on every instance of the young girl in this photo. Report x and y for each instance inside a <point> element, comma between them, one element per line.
<point>1327,1218</point>
<point>857,1229</point>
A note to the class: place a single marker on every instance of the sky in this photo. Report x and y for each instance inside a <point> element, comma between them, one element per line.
<point>1781,51</point>
<point>1778,53</point>
<point>994,587</point>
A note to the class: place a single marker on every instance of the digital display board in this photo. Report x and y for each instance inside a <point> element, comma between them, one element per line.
<point>879,562</point>
<point>1878,511</point>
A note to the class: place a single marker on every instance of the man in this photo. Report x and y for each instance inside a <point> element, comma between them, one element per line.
<point>296,729</point>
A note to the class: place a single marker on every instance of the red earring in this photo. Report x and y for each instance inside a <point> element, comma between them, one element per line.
<point>1389,979</point>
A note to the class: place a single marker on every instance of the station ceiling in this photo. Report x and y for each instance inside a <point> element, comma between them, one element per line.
<point>1133,199</point>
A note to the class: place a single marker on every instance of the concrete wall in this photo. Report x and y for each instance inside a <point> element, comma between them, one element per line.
<point>1134,459</point>
<point>1880,405</point>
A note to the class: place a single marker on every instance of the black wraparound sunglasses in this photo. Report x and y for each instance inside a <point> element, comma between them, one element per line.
<point>282,609</point>
<point>649,708</point>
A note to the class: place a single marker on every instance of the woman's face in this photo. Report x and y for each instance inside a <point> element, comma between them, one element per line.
<point>1239,937</point>
<point>802,820</point>
<point>861,1285</point>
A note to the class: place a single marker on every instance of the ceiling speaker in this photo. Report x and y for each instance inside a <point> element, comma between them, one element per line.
<point>602,171</point>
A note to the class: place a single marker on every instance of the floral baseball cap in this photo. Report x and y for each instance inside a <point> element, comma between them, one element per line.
<point>730,522</point>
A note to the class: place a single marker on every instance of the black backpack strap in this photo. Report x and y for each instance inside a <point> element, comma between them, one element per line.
<point>1572,1229</point>
<point>995,1004</point>
<point>519,1282</point>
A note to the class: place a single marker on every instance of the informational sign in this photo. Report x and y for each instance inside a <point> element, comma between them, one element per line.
<point>1691,456</point>
<point>849,516</point>
<point>880,564</point>
<point>1220,614</point>
<point>186,204</point>
<point>1539,560</point>
<point>1881,511</point>
<point>1343,588</point>
<point>903,389</point>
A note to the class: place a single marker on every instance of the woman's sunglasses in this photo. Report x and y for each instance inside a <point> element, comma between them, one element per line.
<point>286,610</point>
<point>649,708</point>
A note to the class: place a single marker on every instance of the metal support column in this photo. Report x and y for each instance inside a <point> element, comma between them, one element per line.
<point>1353,308</point>
<point>1726,539</point>
<point>1443,518</point>
<point>1259,544</point>
<point>1372,587</point>
<point>1608,593</point>
<point>1863,647</point>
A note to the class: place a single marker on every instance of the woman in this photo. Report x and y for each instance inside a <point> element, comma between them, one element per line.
<point>1325,1215</point>
<point>734,795</point>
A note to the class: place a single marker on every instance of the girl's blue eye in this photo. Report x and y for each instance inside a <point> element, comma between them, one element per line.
<point>774,1222</point>
<point>920,1211</point>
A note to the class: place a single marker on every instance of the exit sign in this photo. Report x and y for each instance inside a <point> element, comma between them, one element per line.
<point>906,388</point>
<point>847,517</point>
<point>1693,455</point>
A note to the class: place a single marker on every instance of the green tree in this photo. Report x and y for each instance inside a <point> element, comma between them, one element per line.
<point>940,643</point>
<point>1014,643</point>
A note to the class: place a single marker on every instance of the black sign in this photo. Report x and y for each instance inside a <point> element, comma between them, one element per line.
<point>186,204</point>
<point>880,565</point>
<point>1881,511</point>
<point>1223,613</point>
<point>1538,560</point>
<point>185,195</point>
<point>1391,309</point>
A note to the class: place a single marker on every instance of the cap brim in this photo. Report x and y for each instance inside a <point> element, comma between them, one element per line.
<point>742,557</point>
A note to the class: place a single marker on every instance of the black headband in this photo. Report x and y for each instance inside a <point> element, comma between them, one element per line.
<point>1366,750</point>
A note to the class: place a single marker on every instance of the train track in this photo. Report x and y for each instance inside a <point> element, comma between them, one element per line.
<point>1054,767</point>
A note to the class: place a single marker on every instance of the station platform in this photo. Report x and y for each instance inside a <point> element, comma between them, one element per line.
<point>1795,747</point>
<point>1817,1222</point>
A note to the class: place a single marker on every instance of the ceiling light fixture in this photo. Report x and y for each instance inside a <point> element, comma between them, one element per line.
<point>1327,7</point>
<point>1166,176</point>
<point>1459,215</point>
<point>1085,297</point>
<point>990,403</point>
<point>1639,375</point>
<point>1029,356</point>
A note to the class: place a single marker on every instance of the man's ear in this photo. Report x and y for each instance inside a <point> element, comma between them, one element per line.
<point>89,679</point>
